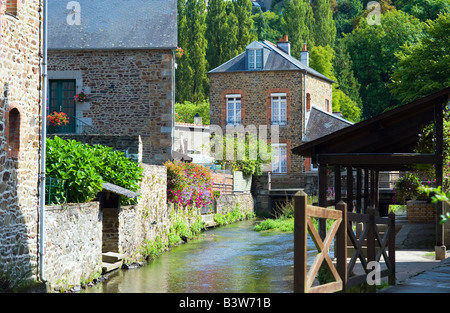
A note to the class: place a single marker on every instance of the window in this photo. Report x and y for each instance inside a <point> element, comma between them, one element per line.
<point>279,158</point>
<point>255,59</point>
<point>12,6</point>
<point>278,107</point>
<point>61,99</point>
<point>13,133</point>
<point>308,102</point>
<point>234,109</point>
<point>327,105</point>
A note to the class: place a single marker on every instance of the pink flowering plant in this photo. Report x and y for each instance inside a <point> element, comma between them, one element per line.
<point>80,97</point>
<point>189,184</point>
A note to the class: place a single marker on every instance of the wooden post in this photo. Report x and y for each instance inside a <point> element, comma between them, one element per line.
<point>366,190</point>
<point>337,184</point>
<point>358,190</point>
<point>322,197</point>
<point>439,148</point>
<point>350,189</point>
<point>300,242</point>
<point>392,249</point>
<point>371,245</point>
<point>341,245</point>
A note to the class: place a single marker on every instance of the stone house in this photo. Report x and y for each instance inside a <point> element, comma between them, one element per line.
<point>20,102</point>
<point>265,85</point>
<point>121,54</point>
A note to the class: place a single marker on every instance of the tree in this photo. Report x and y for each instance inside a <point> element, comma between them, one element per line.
<point>191,75</point>
<point>243,12</point>
<point>424,9</point>
<point>216,32</point>
<point>322,61</point>
<point>297,20</point>
<point>346,12</point>
<point>371,48</point>
<point>324,29</point>
<point>186,111</point>
<point>424,68</point>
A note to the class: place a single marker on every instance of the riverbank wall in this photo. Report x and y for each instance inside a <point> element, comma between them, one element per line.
<point>78,234</point>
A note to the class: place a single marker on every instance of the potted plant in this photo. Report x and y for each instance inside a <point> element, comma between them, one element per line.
<point>80,97</point>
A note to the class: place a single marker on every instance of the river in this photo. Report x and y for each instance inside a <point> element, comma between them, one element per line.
<point>229,259</point>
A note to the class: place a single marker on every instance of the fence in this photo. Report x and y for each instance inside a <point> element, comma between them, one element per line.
<point>223,181</point>
<point>340,231</point>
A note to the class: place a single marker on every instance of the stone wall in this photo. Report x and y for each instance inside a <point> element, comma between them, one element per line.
<point>130,93</point>
<point>73,244</point>
<point>150,217</point>
<point>19,135</point>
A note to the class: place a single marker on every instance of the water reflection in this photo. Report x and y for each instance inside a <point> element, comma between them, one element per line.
<point>229,259</point>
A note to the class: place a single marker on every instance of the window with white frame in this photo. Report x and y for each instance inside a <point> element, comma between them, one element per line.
<point>254,59</point>
<point>279,158</point>
<point>234,109</point>
<point>278,108</point>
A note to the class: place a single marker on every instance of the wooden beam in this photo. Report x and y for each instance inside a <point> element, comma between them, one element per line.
<point>322,196</point>
<point>377,159</point>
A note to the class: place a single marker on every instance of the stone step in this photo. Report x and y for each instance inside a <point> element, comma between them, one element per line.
<point>112,261</point>
<point>112,257</point>
<point>108,267</point>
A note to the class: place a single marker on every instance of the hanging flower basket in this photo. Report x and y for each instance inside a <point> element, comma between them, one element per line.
<point>57,119</point>
<point>179,52</point>
<point>80,97</point>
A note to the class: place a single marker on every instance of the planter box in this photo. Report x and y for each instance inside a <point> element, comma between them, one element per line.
<point>420,212</point>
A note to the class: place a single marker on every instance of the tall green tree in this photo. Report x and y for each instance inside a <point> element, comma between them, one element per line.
<point>346,12</point>
<point>424,68</point>
<point>424,9</point>
<point>297,20</point>
<point>193,82</point>
<point>243,12</point>
<point>372,48</point>
<point>322,61</point>
<point>324,29</point>
<point>216,33</point>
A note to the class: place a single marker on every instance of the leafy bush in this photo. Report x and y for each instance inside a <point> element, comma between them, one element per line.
<point>85,168</point>
<point>407,188</point>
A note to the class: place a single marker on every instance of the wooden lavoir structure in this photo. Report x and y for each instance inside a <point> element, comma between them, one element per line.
<point>383,143</point>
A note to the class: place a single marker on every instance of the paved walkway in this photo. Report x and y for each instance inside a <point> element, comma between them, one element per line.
<point>417,271</point>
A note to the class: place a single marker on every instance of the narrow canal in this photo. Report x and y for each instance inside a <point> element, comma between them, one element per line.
<point>233,258</point>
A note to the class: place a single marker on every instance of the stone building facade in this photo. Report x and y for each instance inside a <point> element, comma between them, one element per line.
<point>265,85</point>
<point>122,56</point>
<point>20,99</point>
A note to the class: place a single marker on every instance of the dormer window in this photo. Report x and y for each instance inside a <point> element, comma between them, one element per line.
<point>255,61</point>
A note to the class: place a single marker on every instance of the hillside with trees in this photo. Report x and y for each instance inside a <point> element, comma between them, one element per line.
<point>379,60</point>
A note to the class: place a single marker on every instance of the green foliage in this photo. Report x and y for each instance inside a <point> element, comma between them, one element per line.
<point>424,9</point>
<point>371,48</point>
<point>151,249</point>
<point>322,61</point>
<point>324,27</point>
<point>346,12</point>
<point>85,168</point>
<point>297,21</point>
<point>243,12</point>
<point>186,111</point>
<point>249,154</point>
<point>231,217</point>
<point>191,80</point>
<point>407,188</point>
<point>424,67</point>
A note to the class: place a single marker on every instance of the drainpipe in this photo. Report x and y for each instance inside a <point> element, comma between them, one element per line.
<point>43,147</point>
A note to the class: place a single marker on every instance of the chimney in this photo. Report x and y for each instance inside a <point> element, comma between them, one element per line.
<point>284,44</point>
<point>304,55</point>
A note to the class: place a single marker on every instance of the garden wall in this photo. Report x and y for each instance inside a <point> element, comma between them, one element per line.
<point>73,243</point>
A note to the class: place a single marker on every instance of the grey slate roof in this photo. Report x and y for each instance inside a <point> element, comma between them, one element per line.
<point>321,123</point>
<point>113,24</point>
<point>278,60</point>
<point>119,190</point>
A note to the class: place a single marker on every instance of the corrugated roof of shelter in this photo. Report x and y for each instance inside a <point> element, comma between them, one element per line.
<point>119,190</point>
<point>321,123</point>
<point>278,60</point>
<point>112,24</point>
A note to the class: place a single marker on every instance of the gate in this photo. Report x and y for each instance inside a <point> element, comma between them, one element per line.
<point>341,232</point>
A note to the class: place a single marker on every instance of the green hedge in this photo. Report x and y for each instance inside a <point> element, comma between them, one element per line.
<point>84,168</point>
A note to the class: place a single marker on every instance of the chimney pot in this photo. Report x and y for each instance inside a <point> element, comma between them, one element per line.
<point>284,44</point>
<point>304,55</point>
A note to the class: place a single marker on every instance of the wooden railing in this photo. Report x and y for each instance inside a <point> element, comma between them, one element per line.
<point>341,230</point>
